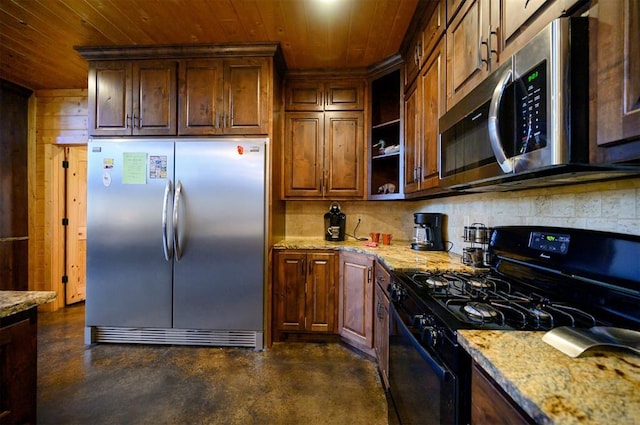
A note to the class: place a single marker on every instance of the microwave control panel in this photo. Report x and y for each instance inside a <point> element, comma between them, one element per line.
<point>531,101</point>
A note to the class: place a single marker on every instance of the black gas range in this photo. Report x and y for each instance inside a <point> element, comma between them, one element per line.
<point>539,278</point>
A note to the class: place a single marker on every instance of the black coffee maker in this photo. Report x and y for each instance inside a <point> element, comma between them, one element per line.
<point>428,232</point>
<point>334,223</point>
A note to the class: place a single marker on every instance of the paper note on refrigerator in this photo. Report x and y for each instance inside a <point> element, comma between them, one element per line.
<point>134,168</point>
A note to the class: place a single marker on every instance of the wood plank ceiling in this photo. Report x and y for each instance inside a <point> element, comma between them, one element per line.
<point>37,36</point>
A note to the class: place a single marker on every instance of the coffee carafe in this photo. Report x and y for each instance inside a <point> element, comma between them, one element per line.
<point>428,232</point>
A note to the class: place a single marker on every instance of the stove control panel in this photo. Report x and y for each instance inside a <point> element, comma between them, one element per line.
<point>550,242</point>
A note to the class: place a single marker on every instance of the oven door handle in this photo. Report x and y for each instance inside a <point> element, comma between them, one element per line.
<point>440,370</point>
<point>494,123</point>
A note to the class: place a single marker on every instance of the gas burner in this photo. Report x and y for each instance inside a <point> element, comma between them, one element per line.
<point>437,282</point>
<point>480,312</point>
<point>479,283</point>
<point>430,281</point>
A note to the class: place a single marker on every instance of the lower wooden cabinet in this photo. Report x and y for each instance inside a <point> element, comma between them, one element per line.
<point>489,404</point>
<point>356,300</point>
<point>381,322</point>
<point>18,368</point>
<point>304,295</point>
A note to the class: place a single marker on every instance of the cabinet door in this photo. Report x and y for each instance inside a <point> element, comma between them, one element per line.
<point>110,104</point>
<point>412,136</point>
<point>381,328</point>
<point>344,154</point>
<point>201,97</point>
<point>18,371</point>
<point>356,300</point>
<point>302,154</point>
<point>433,106</point>
<point>246,96</point>
<point>289,286</point>
<point>412,59</point>
<point>517,13</point>
<point>616,73</point>
<point>321,311</point>
<point>344,95</point>
<point>489,405</point>
<point>467,49</point>
<point>433,29</point>
<point>304,95</point>
<point>154,98</point>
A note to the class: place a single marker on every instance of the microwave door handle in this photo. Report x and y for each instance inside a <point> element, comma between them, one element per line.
<point>494,125</point>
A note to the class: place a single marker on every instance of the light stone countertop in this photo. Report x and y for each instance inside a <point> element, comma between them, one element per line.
<point>12,302</point>
<point>602,386</point>
<point>397,256</point>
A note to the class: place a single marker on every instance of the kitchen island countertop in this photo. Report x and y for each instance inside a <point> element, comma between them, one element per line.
<point>397,256</point>
<point>13,302</point>
<point>602,386</point>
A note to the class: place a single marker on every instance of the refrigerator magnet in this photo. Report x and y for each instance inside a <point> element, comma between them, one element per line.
<point>106,179</point>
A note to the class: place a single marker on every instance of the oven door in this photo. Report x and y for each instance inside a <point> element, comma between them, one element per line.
<point>423,390</point>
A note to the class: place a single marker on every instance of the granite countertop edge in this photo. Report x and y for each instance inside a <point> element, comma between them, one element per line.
<point>600,386</point>
<point>395,257</point>
<point>13,302</point>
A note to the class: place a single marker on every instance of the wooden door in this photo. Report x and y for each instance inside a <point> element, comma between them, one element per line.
<point>433,106</point>
<point>303,154</point>
<point>201,97</point>
<point>321,311</point>
<point>344,158</point>
<point>289,285</point>
<point>356,300</point>
<point>110,104</point>
<point>154,98</point>
<point>246,96</point>
<point>76,229</point>
<point>412,136</point>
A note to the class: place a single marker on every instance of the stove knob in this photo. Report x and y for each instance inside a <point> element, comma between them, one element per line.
<point>432,335</point>
<point>419,321</point>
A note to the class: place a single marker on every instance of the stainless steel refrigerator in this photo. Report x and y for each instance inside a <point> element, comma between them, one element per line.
<point>176,241</point>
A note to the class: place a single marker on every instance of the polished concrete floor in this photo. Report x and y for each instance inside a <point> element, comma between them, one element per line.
<point>291,383</point>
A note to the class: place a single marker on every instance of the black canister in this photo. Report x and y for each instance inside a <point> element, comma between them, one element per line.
<point>334,223</point>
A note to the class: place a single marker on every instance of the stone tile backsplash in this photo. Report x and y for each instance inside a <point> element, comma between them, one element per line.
<point>610,206</point>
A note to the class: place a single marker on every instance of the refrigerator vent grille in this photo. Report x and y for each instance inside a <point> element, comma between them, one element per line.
<point>178,337</point>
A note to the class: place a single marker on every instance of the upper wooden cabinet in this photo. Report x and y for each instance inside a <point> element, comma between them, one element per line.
<point>224,97</point>
<point>332,95</point>
<point>424,104</point>
<point>615,112</point>
<point>132,98</point>
<point>193,90</point>
<point>323,155</point>
<point>430,28</point>
<point>472,47</point>
<point>324,150</point>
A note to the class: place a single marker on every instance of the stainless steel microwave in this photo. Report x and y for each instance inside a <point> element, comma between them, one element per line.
<point>527,118</point>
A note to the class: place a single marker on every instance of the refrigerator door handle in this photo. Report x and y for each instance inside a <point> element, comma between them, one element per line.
<point>166,246</point>
<point>176,208</point>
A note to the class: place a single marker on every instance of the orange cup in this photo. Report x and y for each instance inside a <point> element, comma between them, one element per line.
<point>375,237</point>
<point>386,238</point>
